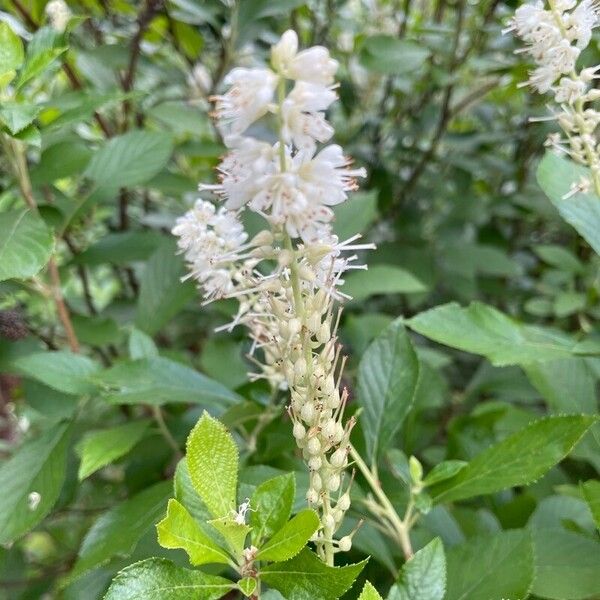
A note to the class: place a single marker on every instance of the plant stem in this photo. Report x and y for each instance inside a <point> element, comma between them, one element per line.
<point>164,430</point>
<point>400,527</point>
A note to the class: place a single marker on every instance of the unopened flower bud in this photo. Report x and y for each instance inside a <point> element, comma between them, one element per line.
<point>299,431</point>
<point>339,458</point>
<point>312,496</point>
<point>308,412</point>
<point>334,482</point>
<point>262,238</point>
<point>345,544</point>
<point>329,429</point>
<point>313,446</point>
<point>344,501</point>
<point>324,333</point>
<point>315,463</point>
<point>329,523</point>
<point>314,322</point>
<point>316,482</point>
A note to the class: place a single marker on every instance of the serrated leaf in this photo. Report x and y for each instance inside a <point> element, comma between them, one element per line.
<point>387,381</point>
<point>61,370</point>
<point>423,577</point>
<point>212,459</point>
<point>481,329</point>
<point>381,279</point>
<point>31,481</point>
<point>369,593</point>
<point>159,579</point>
<point>17,116</point>
<point>271,505</point>
<point>130,159</point>
<point>117,531</point>
<point>306,577</point>
<point>291,538</point>
<point>247,585</point>
<point>493,567</point>
<point>159,381</point>
<point>186,494</point>
<point>566,565</point>
<point>25,244</point>
<point>591,493</point>
<point>162,294</point>
<point>179,530</point>
<point>232,532</point>
<point>100,448</point>
<point>556,175</point>
<point>11,49</point>
<point>519,459</point>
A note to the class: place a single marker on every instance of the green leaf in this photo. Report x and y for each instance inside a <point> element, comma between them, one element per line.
<point>387,382</point>
<point>121,248</point>
<point>117,531</point>
<point>212,459</point>
<point>391,56</point>
<point>18,116</point>
<point>11,49</point>
<point>519,459</point>
<point>444,470</point>
<point>63,159</point>
<point>179,530</point>
<point>61,370</point>
<point>186,495</point>
<point>100,448</point>
<point>556,175</point>
<point>423,577</point>
<point>159,579</point>
<point>355,215</point>
<point>232,532</point>
<point>162,294</point>
<point>247,586</point>
<point>307,577</point>
<point>369,593</point>
<point>291,538</point>
<point>130,159</point>
<point>141,345</point>
<point>381,279</point>
<point>271,505</point>
<point>31,481</point>
<point>493,567</point>
<point>25,244</point>
<point>37,63</point>
<point>159,381</point>
<point>591,493</point>
<point>559,257</point>
<point>566,565</point>
<point>481,329</point>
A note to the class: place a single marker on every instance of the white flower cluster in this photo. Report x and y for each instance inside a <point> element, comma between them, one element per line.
<point>287,278</point>
<point>555,36</point>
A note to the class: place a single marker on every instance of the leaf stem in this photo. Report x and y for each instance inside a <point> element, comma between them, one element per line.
<point>164,430</point>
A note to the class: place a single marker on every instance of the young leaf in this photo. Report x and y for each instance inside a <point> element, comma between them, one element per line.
<point>25,243</point>
<point>117,531</point>
<point>61,370</point>
<point>291,538</point>
<point>556,175</point>
<point>271,505</point>
<point>212,459</point>
<point>247,586</point>
<point>159,579</point>
<point>444,470</point>
<point>99,448</point>
<point>519,459</point>
<point>11,49</point>
<point>493,567</point>
<point>387,381</point>
<point>481,329</point>
<point>423,577</point>
<point>369,593</point>
<point>31,481</point>
<point>179,530</point>
<point>232,532</point>
<point>307,576</point>
<point>591,493</point>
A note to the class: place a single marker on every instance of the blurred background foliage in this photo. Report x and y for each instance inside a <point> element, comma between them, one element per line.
<point>122,137</point>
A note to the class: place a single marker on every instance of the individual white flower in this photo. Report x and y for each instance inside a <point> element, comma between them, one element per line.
<point>58,14</point>
<point>569,90</point>
<point>248,98</point>
<point>303,115</point>
<point>582,21</point>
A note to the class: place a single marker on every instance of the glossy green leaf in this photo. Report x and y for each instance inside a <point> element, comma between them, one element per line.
<point>159,579</point>
<point>387,382</point>
<point>556,175</point>
<point>11,49</point>
<point>481,329</point>
<point>369,593</point>
<point>306,577</point>
<point>117,531</point>
<point>247,585</point>
<point>519,459</point>
<point>591,493</point>
<point>159,381</point>
<point>271,505</point>
<point>25,244</point>
<point>492,567</point>
<point>61,370</point>
<point>179,530</point>
<point>212,459</point>
<point>291,538</point>
<point>381,279</point>
<point>31,481</point>
<point>423,577</point>
<point>100,448</point>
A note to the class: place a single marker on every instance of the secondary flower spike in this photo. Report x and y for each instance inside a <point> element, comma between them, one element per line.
<point>287,279</point>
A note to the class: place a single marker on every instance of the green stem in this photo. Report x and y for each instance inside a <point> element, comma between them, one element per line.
<point>164,430</point>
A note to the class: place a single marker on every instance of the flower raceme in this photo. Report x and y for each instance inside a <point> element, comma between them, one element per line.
<point>287,279</point>
<point>555,34</point>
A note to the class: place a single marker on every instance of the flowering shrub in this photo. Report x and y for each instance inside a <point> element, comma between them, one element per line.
<point>311,376</point>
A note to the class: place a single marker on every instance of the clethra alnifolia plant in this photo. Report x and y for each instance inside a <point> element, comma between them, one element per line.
<point>288,278</point>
